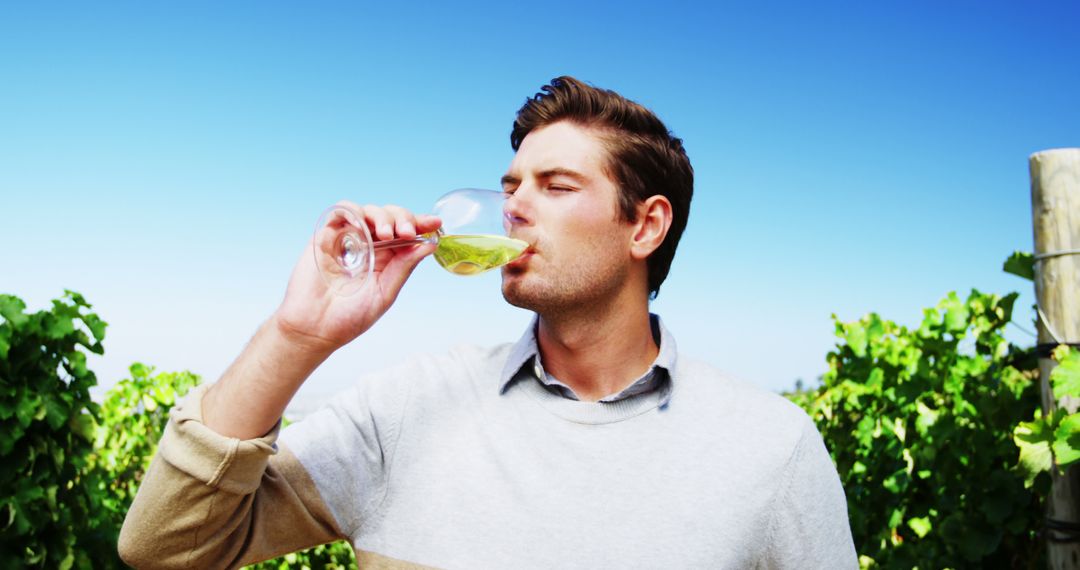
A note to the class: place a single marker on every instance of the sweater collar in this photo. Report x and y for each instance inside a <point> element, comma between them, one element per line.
<point>526,349</point>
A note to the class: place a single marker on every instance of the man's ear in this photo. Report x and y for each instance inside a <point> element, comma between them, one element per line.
<point>651,227</point>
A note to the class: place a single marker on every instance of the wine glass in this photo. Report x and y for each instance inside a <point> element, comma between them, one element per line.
<point>472,239</point>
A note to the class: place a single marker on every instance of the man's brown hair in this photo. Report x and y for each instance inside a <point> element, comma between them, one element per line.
<point>644,158</point>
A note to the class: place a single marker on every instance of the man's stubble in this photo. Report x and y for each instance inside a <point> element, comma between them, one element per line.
<point>579,285</point>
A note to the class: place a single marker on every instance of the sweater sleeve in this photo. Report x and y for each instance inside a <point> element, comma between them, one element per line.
<point>209,501</point>
<point>809,526</point>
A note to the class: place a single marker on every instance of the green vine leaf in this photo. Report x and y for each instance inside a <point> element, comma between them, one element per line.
<point>921,526</point>
<point>1065,377</point>
<point>11,309</point>
<point>1021,264</point>
<point>956,313</point>
<point>856,338</point>
<point>1034,440</point>
<point>1066,446</point>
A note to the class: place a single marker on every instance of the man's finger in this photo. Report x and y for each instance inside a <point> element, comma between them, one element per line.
<point>404,221</point>
<point>392,278</point>
<point>426,223</point>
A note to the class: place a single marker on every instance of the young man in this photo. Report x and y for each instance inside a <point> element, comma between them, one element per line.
<point>589,443</point>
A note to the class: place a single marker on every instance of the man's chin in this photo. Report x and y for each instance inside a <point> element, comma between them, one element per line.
<point>514,292</point>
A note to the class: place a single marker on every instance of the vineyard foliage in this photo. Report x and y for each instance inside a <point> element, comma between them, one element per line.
<point>46,432</point>
<point>70,468</point>
<point>131,419</point>
<point>920,424</point>
<point>938,435</point>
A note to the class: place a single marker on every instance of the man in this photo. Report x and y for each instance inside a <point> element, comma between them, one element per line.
<point>589,443</point>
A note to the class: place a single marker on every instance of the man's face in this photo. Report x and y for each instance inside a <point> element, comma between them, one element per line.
<point>563,203</point>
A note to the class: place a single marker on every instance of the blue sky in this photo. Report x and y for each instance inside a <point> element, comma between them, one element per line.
<point>169,160</point>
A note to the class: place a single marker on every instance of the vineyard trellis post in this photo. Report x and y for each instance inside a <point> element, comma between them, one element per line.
<point>1055,208</point>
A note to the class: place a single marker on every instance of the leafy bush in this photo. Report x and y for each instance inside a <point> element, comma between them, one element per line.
<point>132,419</point>
<point>69,468</point>
<point>920,425</point>
<point>45,431</point>
<point>334,556</point>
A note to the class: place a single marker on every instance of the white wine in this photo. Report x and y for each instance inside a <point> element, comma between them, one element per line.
<point>473,254</point>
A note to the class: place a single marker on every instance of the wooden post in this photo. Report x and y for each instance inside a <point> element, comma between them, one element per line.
<point>1055,208</point>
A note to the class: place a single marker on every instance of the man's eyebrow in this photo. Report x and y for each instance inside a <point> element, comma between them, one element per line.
<point>511,180</point>
<point>552,172</point>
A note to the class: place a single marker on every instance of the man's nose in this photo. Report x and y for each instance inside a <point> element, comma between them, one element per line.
<point>516,208</point>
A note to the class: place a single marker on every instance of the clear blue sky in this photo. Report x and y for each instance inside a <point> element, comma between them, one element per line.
<point>168,160</point>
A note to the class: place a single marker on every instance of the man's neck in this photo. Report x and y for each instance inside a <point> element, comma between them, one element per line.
<point>598,352</point>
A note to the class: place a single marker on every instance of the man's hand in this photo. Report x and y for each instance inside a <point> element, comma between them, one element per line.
<point>309,325</point>
<point>316,318</point>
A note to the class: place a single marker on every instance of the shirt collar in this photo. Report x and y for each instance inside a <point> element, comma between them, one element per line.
<point>525,349</point>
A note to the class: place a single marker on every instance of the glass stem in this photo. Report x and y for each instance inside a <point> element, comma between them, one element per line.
<point>431,237</point>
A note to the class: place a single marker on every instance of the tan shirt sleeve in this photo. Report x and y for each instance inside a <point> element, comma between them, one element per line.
<point>209,501</point>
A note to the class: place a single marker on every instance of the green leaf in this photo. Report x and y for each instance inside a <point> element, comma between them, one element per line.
<point>876,379</point>
<point>978,542</point>
<point>140,371</point>
<point>58,326</point>
<point>876,328</point>
<point>956,313</point>
<point>897,482</point>
<point>8,437</point>
<point>30,494</point>
<point>1066,444</point>
<point>96,326</point>
<point>926,419</point>
<point>7,406</point>
<point>1065,377</point>
<point>1005,306</point>
<point>864,430</point>
<point>58,459</point>
<point>855,336</point>
<point>1034,440</point>
<point>895,518</point>
<point>921,525</point>
<point>77,363</point>
<point>997,506</point>
<point>27,408</point>
<point>1021,264</point>
<point>11,309</point>
<point>76,298</point>
<point>56,413</point>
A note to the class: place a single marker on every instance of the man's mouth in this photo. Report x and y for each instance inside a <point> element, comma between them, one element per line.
<point>520,260</point>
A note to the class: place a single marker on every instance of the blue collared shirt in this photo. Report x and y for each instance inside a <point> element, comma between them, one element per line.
<point>525,364</point>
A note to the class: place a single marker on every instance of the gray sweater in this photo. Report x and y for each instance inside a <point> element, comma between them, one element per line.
<point>467,461</point>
